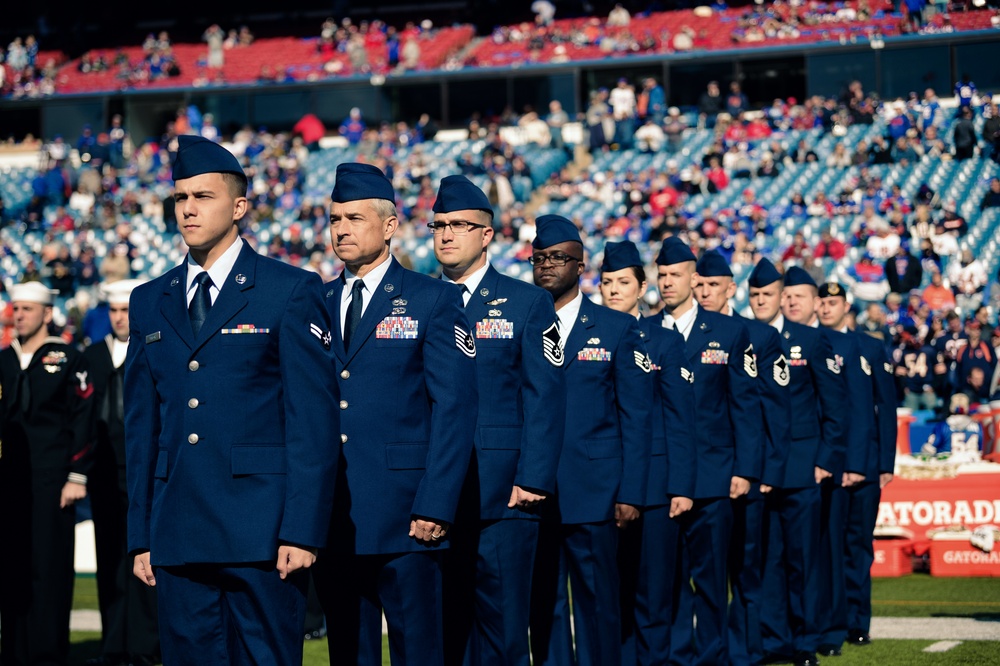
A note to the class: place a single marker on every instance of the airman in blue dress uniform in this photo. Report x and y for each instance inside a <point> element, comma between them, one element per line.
<point>228,430</point>
<point>603,469</point>
<point>647,552</point>
<point>790,628</point>
<point>729,450</point>
<point>406,367</point>
<point>522,391</point>
<point>874,467</point>
<point>800,303</point>
<point>715,288</point>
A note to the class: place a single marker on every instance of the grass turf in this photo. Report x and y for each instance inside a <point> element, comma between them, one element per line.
<point>918,595</point>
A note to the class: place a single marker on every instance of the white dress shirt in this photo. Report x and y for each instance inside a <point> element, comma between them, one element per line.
<point>684,323</point>
<point>371,282</point>
<point>471,282</point>
<point>219,271</point>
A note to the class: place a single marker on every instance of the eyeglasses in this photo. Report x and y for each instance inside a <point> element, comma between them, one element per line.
<point>556,259</point>
<point>459,227</point>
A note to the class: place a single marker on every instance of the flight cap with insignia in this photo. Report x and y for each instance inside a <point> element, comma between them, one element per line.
<point>554,229</point>
<point>460,193</point>
<point>832,289</point>
<point>356,182</point>
<point>674,251</point>
<point>118,292</point>
<point>197,155</point>
<point>713,264</point>
<point>795,276</point>
<point>619,256</point>
<point>32,292</point>
<point>763,274</point>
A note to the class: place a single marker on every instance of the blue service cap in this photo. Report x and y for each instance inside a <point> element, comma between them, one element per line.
<point>836,289</point>
<point>621,255</point>
<point>795,276</point>
<point>554,229</point>
<point>713,264</point>
<point>763,274</point>
<point>197,155</point>
<point>460,193</point>
<point>356,181</point>
<point>674,251</point>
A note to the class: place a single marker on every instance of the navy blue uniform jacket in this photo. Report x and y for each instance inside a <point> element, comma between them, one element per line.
<point>819,406</point>
<point>880,370</point>
<point>605,454</point>
<point>408,409</point>
<point>672,461</point>
<point>230,434</point>
<point>861,456</point>
<point>775,399</point>
<point>727,403</point>
<point>522,393</point>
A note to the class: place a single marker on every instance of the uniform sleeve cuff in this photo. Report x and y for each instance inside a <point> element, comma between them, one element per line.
<point>76,477</point>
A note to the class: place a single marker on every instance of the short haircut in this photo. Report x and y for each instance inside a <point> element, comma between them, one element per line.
<point>236,183</point>
<point>384,208</point>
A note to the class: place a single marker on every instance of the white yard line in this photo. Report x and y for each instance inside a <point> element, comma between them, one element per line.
<point>935,628</point>
<point>942,646</point>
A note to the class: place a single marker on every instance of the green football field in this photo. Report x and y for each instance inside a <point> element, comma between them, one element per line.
<point>916,596</point>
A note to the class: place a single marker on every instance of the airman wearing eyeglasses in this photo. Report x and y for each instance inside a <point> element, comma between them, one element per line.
<point>604,465</point>
<point>487,574</point>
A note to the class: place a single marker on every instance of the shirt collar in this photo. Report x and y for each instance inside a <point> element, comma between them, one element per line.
<point>472,282</point>
<point>567,316</point>
<point>219,271</point>
<point>684,322</point>
<point>778,323</point>
<point>371,280</point>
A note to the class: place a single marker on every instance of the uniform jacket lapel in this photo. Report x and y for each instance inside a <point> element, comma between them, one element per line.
<point>174,305</point>
<point>477,308</point>
<point>334,295</point>
<point>581,330</point>
<point>698,337</point>
<point>378,308</point>
<point>231,298</point>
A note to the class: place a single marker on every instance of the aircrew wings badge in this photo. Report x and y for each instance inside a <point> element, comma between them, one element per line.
<point>551,348</point>
<point>465,342</point>
<point>781,375</point>
<point>750,361</point>
<point>642,360</point>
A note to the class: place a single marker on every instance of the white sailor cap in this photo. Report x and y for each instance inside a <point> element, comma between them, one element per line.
<point>32,292</point>
<point>118,292</point>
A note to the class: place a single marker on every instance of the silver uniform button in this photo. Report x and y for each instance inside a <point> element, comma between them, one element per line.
<point>192,438</point>
<point>344,374</point>
<point>343,404</point>
<point>193,366</point>
<point>193,402</point>
<point>343,438</point>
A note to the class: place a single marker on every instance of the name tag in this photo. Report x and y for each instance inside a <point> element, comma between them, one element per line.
<point>495,329</point>
<point>397,328</point>
<point>593,354</point>
<point>153,337</point>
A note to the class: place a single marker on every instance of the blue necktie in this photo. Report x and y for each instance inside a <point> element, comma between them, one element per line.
<point>353,312</point>
<point>202,301</point>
